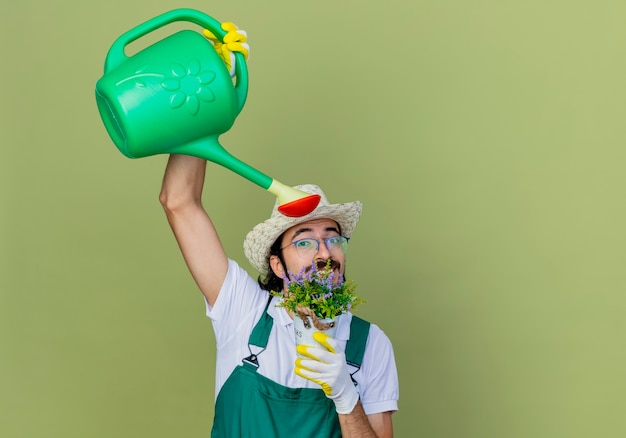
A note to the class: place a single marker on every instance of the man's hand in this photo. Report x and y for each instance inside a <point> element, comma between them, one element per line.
<point>234,41</point>
<point>328,369</point>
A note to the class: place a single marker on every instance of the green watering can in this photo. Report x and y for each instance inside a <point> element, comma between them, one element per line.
<point>177,97</point>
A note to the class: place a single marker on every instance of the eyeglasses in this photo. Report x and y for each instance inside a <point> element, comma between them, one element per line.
<point>309,247</point>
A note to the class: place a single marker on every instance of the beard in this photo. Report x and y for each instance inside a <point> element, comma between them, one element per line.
<point>334,265</point>
<point>321,264</point>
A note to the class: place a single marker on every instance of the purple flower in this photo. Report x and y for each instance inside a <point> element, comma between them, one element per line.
<point>314,287</point>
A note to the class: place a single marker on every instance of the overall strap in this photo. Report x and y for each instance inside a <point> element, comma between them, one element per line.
<point>355,348</point>
<point>259,336</point>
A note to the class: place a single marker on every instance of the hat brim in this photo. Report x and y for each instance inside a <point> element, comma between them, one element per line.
<point>259,240</point>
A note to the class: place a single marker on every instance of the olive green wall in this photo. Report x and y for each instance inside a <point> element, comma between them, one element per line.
<point>485,138</point>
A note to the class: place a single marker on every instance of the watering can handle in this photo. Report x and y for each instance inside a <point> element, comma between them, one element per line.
<point>116,55</point>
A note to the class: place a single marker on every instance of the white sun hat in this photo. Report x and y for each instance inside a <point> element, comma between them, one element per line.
<point>258,242</point>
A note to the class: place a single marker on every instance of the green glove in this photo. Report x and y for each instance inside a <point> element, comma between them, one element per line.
<point>328,369</point>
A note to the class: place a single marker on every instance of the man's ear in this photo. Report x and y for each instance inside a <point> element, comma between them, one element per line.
<point>277,266</point>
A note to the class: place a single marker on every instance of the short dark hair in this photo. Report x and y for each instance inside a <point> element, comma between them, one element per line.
<point>271,281</point>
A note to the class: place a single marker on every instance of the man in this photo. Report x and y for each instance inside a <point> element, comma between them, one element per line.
<point>266,397</point>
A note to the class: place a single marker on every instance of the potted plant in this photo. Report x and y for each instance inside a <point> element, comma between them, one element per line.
<point>316,297</point>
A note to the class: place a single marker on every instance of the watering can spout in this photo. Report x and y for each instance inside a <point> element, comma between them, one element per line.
<point>293,202</point>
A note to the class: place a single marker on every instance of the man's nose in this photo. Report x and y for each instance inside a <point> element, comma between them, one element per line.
<point>322,250</point>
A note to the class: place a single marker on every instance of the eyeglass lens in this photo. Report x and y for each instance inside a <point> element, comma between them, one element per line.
<point>310,245</point>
